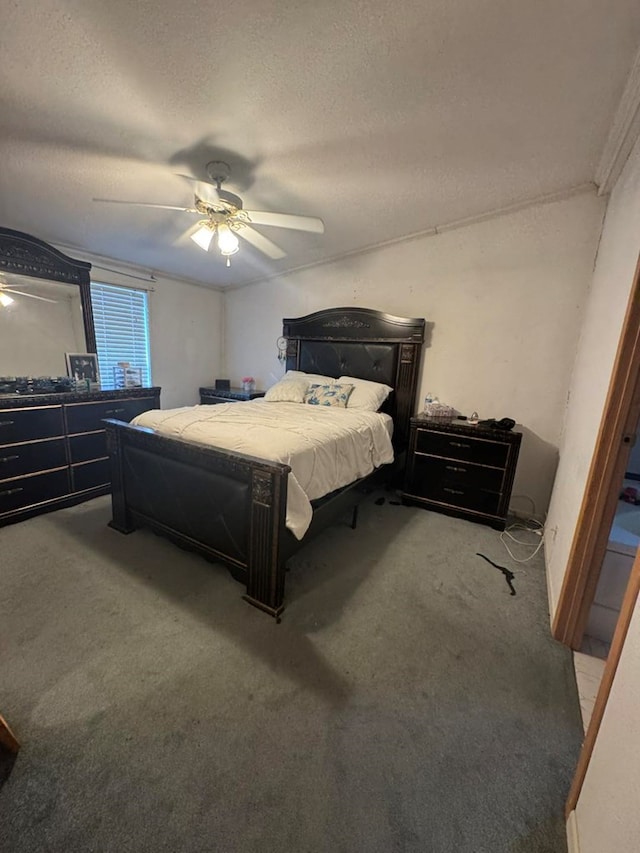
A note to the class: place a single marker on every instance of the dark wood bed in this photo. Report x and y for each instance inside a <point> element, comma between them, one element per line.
<point>231,507</point>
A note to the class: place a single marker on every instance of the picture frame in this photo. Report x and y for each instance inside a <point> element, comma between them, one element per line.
<point>83,366</point>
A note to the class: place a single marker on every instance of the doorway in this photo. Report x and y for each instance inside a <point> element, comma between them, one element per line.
<point>609,464</point>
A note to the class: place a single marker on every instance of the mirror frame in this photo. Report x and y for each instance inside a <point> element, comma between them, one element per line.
<point>22,254</point>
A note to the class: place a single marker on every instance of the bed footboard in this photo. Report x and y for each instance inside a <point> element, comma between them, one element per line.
<point>226,506</point>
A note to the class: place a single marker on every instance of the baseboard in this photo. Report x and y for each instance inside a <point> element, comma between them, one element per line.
<point>573,842</point>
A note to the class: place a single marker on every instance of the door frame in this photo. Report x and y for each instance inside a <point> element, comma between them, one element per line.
<point>616,434</point>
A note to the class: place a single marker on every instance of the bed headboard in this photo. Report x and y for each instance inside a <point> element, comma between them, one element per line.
<point>363,343</point>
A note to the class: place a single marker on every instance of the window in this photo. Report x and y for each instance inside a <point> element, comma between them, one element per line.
<point>121,319</point>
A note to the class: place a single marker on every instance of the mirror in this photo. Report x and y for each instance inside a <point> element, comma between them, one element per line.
<point>45,307</point>
<point>34,333</point>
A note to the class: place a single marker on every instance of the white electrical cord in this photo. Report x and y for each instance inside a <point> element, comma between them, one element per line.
<point>531,525</point>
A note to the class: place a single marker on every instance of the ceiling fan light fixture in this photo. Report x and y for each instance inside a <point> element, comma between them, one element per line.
<point>5,300</point>
<point>203,236</point>
<point>228,243</point>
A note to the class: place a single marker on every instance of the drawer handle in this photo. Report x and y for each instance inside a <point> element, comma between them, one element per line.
<point>459,444</point>
<point>8,492</point>
<point>114,411</point>
<point>9,458</point>
<point>455,468</point>
<point>6,423</point>
<point>453,491</point>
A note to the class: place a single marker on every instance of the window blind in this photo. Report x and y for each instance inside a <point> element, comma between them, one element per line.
<point>121,319</point>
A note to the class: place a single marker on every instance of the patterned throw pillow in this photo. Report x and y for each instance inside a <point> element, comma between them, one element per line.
<point>328,395</point>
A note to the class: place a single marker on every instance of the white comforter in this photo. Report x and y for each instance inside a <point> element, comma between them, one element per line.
<point>327,447</point>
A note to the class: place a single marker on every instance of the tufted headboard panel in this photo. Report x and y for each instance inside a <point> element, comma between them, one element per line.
<point>366,344</point>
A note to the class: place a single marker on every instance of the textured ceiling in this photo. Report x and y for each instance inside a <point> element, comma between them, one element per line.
<point>382,118</point>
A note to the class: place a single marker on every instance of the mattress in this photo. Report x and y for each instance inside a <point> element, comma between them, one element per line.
<point>326,447</point>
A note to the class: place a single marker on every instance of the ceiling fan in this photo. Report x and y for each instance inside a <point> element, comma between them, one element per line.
<point>224,217</point>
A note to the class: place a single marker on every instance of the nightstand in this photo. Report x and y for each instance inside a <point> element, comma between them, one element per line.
<point>461,469</point>
<point>211,396</point>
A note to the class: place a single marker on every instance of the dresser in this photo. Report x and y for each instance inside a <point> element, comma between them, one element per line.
<point>211,396</point>
<point>461,469</point>
<point>53,449</point>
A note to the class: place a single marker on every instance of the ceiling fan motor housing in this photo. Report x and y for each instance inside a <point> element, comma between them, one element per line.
<point>219,172</point>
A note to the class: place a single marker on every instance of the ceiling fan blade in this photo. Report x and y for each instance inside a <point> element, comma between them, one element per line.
<point>146,204</point>
<point>287,220</point>
<point>262,244</point>
<point>207,192</point>
<point>30,295</point>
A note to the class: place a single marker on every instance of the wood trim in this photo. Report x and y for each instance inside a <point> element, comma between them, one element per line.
<point>22,254</point>
<point>622,628</point>
<point>33,402</point>
<point>620,418</point>
<point>7,737</point>
<point>34,474</point>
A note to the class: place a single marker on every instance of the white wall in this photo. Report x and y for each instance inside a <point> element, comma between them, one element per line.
<point>612,280</point>
<point>504,298</point>
<point>186,340</point>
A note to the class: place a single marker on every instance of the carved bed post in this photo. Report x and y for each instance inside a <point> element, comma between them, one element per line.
<point>406,390</point>
<point>120,520</point>
<point>265,581</point>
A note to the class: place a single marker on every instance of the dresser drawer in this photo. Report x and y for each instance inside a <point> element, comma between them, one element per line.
<point>22,459</point>
<point>462,447</point>
<point>87,417</point>
<point>28,491</point>
<point>428,470</point>
<point>30,424</point>
<point>86,447</point>
<point>90,474</point>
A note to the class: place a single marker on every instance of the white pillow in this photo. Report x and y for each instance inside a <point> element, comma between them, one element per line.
<point>290,389</point>
<point>316,378</point>
<point>366,395</point>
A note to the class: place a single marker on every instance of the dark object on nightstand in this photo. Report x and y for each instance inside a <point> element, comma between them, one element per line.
<point>223,384</point>
<point>461,470</point>
<point>211,396</point>
<point>503,423</point>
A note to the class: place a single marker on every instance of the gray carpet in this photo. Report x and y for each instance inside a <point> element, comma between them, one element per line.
<point>406,703</point>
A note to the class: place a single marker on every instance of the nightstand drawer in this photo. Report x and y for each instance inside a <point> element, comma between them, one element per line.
<point>432,469</point>
<point>462,497</point>
<point>21,459</point>
<point>462,447</point>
